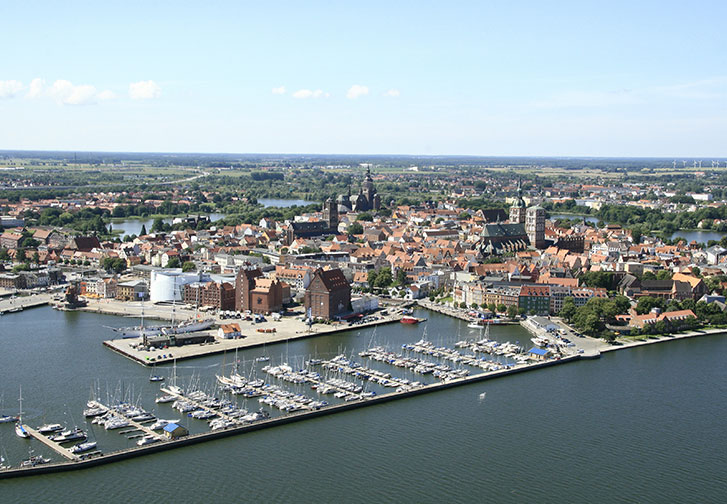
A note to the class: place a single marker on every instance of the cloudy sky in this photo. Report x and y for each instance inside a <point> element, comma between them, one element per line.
<point>562,78</point>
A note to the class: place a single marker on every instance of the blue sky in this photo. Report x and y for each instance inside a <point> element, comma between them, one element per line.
<point>478,78</point>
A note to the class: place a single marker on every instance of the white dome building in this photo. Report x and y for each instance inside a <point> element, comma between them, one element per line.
<point>168,285</point>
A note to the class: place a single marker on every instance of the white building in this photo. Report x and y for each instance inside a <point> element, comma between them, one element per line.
<point>168,285</point>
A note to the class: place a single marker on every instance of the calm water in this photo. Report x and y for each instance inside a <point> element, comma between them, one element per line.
<point>642,425</point>
<point>133,226</point>
<point>699,236</point>
<point>283,203</point>
<point>593,220</point>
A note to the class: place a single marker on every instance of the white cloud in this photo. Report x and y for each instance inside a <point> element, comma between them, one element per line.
<point>37,86</point>
<point>67,93</point>
<point>106,95</point>
<point>144,90</point>
<point>308,93</point>
<point>279,90</point>
<point>10,88</point>
<point>392,93</point>
<point>357,90</point>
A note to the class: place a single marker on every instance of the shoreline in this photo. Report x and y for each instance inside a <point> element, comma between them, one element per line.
<point>133,452</point>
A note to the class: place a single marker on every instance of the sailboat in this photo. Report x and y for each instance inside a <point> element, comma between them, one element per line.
<point>173,387</point>
<point>19,429</point>
<point>154,377</point>
<point>138,331</point>
<point>192,325</point>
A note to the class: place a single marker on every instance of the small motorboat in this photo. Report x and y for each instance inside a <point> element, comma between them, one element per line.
<point>34,461</point>
<point>50,428</point>
<point>408,319</point>
<point>83,447</point>
<point>69,435</point>
<point>147,440</point>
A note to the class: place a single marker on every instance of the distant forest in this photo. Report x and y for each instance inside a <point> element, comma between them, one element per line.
<point>253,160</point>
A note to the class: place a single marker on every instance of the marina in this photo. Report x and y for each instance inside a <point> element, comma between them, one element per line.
<point>331,356</point>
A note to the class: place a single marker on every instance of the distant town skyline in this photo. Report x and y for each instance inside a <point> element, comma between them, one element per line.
<point>463,78</point>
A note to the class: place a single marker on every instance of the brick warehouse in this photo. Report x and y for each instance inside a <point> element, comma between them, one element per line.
<point>256,293</point>
<point>328,295</point>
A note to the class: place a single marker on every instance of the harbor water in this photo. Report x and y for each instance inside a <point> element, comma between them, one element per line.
<point>640,425</point>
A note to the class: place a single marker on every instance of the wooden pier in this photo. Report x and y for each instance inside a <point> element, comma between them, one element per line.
<point>65,452</point>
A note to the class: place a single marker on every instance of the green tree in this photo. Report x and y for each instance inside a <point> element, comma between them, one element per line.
<point>492,307</point>
<point>568,310</point>
<point>158,225</point>
<point>355,229</point>
<point>501,308</point>
<point>383,278</point>
<point>20,256</point>
<point>401,277</point>
<point>647,303</point>
<point>143,230</point>
<point>35,258</point>
<point>174,262</point>
<point>4,256</point>
<point>188,266</point>
<point>512,311</point>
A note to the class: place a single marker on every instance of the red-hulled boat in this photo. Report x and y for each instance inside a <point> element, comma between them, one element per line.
<point>408,319</point>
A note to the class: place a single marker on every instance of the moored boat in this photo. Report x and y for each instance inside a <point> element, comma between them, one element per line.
<point>409,319</point>
<point>34,461</point>
<point>49,428</point>
<point>75,434</point>
<point>83,447</point>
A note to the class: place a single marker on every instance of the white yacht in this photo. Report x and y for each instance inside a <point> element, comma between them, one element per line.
<point>66,436</point>
<point>83,447</point>
<point>161,423</point>
<point>49,428</point>
<point>147,440</point>
<point>116,423</point>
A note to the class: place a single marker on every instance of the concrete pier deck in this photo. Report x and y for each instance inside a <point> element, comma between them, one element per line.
<point>287,329</point>
<point>9,305</point>
<point>65,452</point>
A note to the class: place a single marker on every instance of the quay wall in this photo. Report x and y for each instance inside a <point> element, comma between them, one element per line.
<point>273,422</point>
<point>272,338</point>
